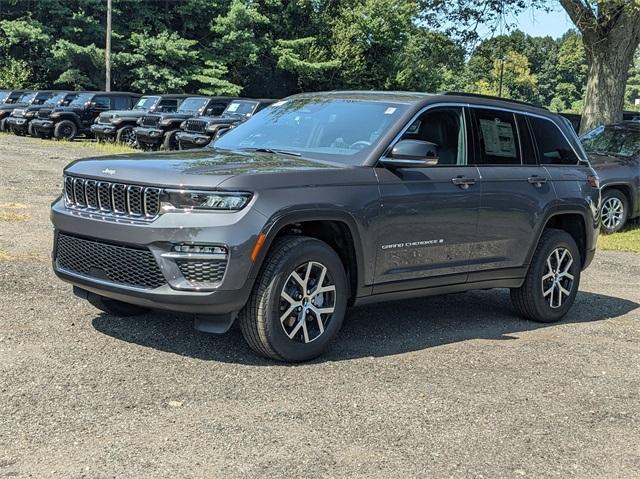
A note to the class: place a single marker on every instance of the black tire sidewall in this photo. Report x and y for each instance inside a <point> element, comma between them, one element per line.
<point>286,348</point>
<point>61,126</point>
<point>121,132</point>
<point>559,239</point>
<point>625,204</point>
<point>170,142</point>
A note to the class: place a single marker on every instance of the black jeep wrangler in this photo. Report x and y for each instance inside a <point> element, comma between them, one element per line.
<point>76,119</point>
<point>157,130</point>
<point>10,100</point>
<point>119,125</point>
<point>20,120</point>
<point>199,131</point>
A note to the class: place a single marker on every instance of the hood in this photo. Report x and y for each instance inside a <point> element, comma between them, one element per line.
<point>604,161</point>
<point>205,168</point>
<point>125,113</point>
<point>174,115</point>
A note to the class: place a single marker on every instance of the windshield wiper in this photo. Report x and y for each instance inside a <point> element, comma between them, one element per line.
<point>272,151</point>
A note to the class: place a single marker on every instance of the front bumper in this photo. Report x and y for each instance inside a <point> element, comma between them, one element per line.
<point>104,131</point>
<point>237,232</point>
<point>151,136</point>
<point>192,140</point>
<point>17,124</point>
<point>43,126</point>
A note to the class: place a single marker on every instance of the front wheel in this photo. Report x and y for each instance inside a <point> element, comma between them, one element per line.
<point>551,284</point>
<point>170,141</point>
<point>298,302</point>
<point>614,211</point>
<point>126,136</point>
<point>65,130</point>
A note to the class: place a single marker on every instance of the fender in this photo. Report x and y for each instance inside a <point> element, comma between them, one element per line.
<point>58,116</point>
<point>558,210</point>
<point>282,219</point>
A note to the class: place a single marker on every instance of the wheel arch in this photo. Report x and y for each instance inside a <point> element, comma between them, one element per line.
<point>628,191</point>
<point>573,222</point>
<point>336,228</point>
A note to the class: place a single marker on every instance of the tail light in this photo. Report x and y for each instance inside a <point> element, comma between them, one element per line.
<point>594,181</point>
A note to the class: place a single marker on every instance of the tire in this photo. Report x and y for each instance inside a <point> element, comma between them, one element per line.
<point>31,132</point>
<point>614,211</point>
<point>65,130</point>
<point>530,300</point>
<point>127,136</point>
<point>170,142</point>
<point>3,124</point>
<point>115,307</point>
<point>295,339</point>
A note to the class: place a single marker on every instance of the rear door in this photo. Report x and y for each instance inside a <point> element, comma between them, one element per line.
<point>515,192</point>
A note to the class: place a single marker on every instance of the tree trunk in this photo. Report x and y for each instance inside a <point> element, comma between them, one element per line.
<point>604,95</point>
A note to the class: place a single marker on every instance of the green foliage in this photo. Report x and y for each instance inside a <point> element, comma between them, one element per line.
<point>14,74</point>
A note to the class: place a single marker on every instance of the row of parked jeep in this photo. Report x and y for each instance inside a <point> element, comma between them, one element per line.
<point>170,122</point>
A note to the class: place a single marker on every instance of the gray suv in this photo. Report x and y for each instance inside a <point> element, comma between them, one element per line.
<point>324,201</point>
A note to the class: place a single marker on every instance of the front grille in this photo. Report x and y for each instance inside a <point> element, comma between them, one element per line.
<point>202,273</point>
<point>104,118</point>
<point>197,126</point>
<point>150,120</point>
<point>112,198</point>
<point>114,263</point>
<point>44,113</point>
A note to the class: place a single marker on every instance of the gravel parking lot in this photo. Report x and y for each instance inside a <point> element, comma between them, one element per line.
<point>452,386</point>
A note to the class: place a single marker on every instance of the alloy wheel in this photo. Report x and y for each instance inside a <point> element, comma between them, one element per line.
<point>612,213</point>
<point>128,137</point>
<point>557,281</point>
<point>307,302</point>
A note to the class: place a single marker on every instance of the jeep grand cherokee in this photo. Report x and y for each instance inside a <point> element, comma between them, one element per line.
<point>328,200</point>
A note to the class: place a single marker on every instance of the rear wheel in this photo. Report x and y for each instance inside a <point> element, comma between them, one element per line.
<point>65,130</point>
<point>115,307</point>
<point>3,124</point>
<point>552,281</point>
<point>127,136</point>
<point>31,131</point>
<point>298,302</point>
<point>614,211</point>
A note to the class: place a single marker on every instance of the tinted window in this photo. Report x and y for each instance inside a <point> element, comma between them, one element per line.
<point>553,147</point>
<point>216,109</point>
<point>498,137</point>
<point>121,102</point>
<point>102,102</point>
<point>613,140</point>
<point>445,128</point>
<point>81,99</point>
<point>240,108</point>
<point>339,130</point>
<point>168,104</point>
<point>191,105</point>
<point>526,141</point>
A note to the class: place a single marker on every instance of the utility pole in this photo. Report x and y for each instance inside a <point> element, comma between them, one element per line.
<point>107,51</point>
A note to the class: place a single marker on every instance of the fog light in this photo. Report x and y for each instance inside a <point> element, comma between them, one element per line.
<point>199,249</point>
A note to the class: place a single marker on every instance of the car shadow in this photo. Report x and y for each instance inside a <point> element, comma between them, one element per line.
<point>369,331</point>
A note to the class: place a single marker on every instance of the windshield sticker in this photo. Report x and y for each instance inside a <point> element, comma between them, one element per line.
<point>233,107</point>
<point>390,111</point>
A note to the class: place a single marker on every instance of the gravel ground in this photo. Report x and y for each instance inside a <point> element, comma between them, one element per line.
<point>452,386</point>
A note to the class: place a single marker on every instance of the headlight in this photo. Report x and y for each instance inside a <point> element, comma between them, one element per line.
<point>139,121</point>
<point>29,114</point>
<point>114,116</point>
<point>183,125</point>
<point>165,122</point>
<point>204,200</point>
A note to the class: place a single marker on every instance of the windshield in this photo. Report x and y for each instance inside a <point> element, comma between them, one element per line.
<point>26,97</point>
<point>344,131</point>
<point>146,102</point>
<point>55,99</point>
<point>239,108</point>
<point>615,140</point>
<point>3,95</point>
<point>192,104</point>
<point>81,99</point>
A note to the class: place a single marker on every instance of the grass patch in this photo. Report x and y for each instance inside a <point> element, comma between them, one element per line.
<point>106,148</point>
<point>11,217</point>
<point>13,206</point>
<point>627,240</point>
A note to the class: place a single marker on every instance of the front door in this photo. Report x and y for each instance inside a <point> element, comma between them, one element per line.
<point>429,215</point>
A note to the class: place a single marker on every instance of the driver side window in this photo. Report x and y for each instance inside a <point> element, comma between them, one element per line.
<point>445,128</point>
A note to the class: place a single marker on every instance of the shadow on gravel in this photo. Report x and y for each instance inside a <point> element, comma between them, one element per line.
<point>375,330</point>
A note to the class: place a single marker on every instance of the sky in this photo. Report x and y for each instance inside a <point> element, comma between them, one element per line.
<point>537,22</point>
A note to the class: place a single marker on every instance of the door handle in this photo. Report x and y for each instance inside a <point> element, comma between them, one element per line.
<point>463,182</point>
<point>537,180</point>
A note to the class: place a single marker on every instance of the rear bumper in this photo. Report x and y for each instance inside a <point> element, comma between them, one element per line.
<point>149,135</point>
<point>193,140</point>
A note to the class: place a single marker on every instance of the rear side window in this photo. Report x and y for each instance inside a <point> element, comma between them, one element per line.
<point>498,137</point>
<point>553,147</point>
<point>102,102</point>
<point>168,104</point>
<point>121,102</point>
<point>216,108</point>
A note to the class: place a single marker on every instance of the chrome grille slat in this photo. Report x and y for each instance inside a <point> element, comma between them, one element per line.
<point>196,126</point>
<point>117,199</point>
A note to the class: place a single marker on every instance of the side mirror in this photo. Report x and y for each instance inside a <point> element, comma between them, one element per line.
<point>412,154</point>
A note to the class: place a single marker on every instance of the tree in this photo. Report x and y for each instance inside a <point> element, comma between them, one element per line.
<point>611,34</point>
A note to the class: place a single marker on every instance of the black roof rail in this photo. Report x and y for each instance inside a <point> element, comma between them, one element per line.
<point>490,97</point>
